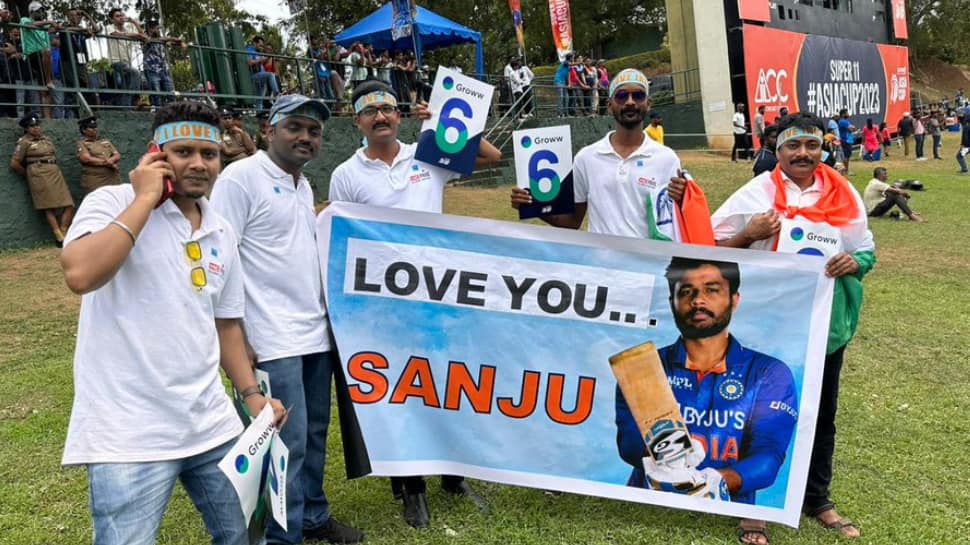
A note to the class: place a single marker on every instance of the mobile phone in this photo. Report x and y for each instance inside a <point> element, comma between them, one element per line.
<point>168,188</point>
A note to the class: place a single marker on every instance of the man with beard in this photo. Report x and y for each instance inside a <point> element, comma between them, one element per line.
<point>161,290</point>
<point>631,185</point>
<point>385,173</point>
<point>269,203</point>
<point>739,404</point>
<point>801,189</point>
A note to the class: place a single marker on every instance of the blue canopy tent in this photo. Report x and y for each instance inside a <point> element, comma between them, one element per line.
<point>431,31</point>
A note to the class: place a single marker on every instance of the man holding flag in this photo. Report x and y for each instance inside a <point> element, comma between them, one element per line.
<point>801,188</point>
<point>631,185</point>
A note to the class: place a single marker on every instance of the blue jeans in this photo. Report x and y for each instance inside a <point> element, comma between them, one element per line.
<point>160,81</point>
<point>263,81</point>
<point>920,139</point>
<point>302,384</point>
<point>562,104</point>
<point>324,90</point>
<point>936,145</point>
<point>128,500</point>
<point>962,160</point>
<point>57,98</point>
<point>126,78</point>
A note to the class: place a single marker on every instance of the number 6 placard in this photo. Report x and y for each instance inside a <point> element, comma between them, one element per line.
<point>543,165</point>
<point>459,107</point>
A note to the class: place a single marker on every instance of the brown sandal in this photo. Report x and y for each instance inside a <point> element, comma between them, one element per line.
<point>839,525</point>
<point>746,527</point>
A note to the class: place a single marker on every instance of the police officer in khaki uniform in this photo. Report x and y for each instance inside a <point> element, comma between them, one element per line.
<point>34,158</point>
<point>261,139</point>
<point>99,158</point>
<point>236,143</point>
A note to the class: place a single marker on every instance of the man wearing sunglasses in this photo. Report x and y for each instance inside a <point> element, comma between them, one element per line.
<point>269,203</point>
<point>385,173</point>
<point>162,295</point>
<point>631,185</point>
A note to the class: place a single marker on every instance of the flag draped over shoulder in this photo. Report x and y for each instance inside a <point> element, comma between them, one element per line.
<point>836,207</point>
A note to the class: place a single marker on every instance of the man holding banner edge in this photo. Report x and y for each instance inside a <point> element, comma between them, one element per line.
<point>385,173</point>
<point>755,216</point>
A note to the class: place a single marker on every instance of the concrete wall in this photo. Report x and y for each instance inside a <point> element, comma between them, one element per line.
<point>22,227</point>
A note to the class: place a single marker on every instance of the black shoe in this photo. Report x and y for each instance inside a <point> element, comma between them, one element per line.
<point>463,489</point>
<point>416,510</point>
<point>334,531</point>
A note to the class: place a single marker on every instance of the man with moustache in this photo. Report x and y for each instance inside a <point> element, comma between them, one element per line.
<point>631,185</point>
<point>269,203</point>
<point>739,404</point>
<point>800,188</point>
<point>161,301</point>
<point>385,173</point>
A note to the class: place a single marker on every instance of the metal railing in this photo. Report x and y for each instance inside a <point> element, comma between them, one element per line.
<point>107,81</point>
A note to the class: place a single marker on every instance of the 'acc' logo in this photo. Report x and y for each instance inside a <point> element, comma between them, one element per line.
<point>770,87</point>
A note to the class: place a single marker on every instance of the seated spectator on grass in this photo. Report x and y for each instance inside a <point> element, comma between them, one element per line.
<point>880,198</point>
<point>121,51</point>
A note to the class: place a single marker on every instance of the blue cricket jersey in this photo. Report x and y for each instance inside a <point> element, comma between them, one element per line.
<point>744,415</point>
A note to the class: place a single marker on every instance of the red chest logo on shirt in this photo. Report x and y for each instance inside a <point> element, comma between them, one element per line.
<point>649,182</point>
<point>216,268</point>
<point>418,174</point>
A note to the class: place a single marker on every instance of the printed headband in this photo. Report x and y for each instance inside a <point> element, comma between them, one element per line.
<point>627,76</point>
<point>795,132</point>
<point>186,130</point>
<point>370,99</point>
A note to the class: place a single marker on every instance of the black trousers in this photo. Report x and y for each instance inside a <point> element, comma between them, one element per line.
<point>892,199</point>
<point>820,467</point>
<point>741,143</point>
<point>416,485</point>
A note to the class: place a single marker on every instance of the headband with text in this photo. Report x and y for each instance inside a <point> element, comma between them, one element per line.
<point>370,99</point>
<point>186,130</point>
<point>796,132</point>
<point>629,76</point>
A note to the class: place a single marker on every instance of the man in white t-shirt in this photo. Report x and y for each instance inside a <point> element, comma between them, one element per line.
<point>121,53</point>
<point>740,123</point>
<point>385,173</point>
<point>269,203</point>
<point>158,318</point>
<point>629,183</point>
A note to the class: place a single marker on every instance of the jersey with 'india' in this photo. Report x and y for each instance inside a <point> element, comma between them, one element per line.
<point>744,415</point>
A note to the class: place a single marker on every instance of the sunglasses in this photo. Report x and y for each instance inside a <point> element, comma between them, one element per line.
<point>621,96</point>
<point>371,111</point>
<point>193,251</point>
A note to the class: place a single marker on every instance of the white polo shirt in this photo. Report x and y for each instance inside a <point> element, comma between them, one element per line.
<point>146,367</point>
<point>274,221</point>
<point>758,196</point>
<point>407,183</point>
<point>616,189</point>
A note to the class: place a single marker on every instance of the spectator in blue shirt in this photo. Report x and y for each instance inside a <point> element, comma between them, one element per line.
<point>57,95</point>
<point>562,81</point>
<point>847,136</point>
<point>262,80</point>
<point>321,70</point>
<point>155,64</point>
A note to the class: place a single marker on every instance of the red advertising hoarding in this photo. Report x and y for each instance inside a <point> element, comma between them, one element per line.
<point>899,20</point>
<point>823,75</point>
<point>754,10</point>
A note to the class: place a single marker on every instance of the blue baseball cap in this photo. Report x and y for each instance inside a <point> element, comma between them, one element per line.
<point>288,105</point>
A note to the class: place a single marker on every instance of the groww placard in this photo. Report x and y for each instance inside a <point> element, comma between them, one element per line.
<point>459,107</point>
<point>544,166</point>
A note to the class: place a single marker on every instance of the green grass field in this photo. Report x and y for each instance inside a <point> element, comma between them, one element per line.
<point>902,469</point>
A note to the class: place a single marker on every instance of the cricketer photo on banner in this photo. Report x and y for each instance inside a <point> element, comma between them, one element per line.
<point>544,166</point>
<point>459,108</point>
<point>559,359</point>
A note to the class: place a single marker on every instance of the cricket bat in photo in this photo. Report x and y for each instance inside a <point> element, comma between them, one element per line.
<point>643,382</point>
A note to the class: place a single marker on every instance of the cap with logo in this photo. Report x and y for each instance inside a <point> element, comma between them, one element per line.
<point>88,123</point>
<point>30,119</point>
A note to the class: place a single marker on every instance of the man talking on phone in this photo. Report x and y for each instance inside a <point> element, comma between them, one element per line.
<point>162,295</point>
